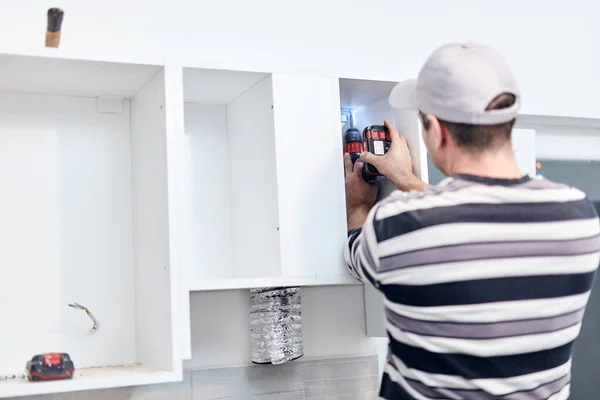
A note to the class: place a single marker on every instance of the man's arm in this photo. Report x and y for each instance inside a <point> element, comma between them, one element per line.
<point>357,217</point>
<point>360,252</point>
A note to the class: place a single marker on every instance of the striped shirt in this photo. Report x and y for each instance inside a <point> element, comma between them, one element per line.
<point>485,284</point>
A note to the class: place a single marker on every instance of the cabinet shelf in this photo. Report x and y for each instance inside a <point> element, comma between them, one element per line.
<point>85,219</point>
<point>252,283</point>
<point>88,379</point>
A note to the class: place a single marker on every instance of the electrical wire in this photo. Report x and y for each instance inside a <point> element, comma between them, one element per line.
<point>78,306</point>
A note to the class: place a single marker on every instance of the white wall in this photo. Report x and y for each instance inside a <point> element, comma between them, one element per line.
<point>549,43</point>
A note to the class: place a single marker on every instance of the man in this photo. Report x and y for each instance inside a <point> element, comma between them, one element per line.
<point>485,276</point>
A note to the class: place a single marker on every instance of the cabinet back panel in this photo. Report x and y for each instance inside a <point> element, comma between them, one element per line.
<point>66,231</point>
<point>209,226</point>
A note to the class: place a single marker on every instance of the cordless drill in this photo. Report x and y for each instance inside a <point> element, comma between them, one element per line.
<point>375,139</point>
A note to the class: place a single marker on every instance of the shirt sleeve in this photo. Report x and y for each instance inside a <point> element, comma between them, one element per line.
<point>360,252</point>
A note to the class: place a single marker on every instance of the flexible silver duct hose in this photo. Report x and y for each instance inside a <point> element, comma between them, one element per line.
<point>275,325</point>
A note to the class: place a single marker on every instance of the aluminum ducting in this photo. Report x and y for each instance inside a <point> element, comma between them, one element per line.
<point>276,325</point>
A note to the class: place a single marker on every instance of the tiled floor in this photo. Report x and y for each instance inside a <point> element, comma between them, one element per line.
<point>333,379</point>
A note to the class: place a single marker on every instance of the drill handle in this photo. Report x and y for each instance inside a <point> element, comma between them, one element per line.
<point>368,176</point>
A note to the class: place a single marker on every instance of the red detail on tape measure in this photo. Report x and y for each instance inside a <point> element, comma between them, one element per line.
<point>52,359</point>
<point>368,134</point>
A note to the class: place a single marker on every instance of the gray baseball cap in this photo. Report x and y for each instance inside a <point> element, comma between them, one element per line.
<point>457,84</point>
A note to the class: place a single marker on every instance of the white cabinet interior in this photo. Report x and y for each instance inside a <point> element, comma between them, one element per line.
<point>230,177</point>
<point>85,219</point>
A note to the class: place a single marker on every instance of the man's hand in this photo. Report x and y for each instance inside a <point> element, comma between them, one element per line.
<point>360,196</point>
<point>396,164</point>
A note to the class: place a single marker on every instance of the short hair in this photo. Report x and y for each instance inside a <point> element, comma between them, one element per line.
<point>479,138</point>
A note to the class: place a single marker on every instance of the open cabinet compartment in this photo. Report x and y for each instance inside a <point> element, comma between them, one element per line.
<point>84,212</point>
<point>368,100</point>
<point>231,179</point>
<point>262,198</point>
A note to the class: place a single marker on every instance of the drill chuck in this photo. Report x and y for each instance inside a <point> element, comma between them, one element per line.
<point>353,145</point>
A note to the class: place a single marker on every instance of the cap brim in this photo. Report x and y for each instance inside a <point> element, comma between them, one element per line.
<point>404,95</point>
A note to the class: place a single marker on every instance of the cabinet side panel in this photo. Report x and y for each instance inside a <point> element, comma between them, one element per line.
<point>175,131</point>
<point>153,299</point>
<point>310,175</point>
<point>253,182</point>
<point>409,125</point>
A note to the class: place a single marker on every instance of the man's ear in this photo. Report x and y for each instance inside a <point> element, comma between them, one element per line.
<point>438,134</point>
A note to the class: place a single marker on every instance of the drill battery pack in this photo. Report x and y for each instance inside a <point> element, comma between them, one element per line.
<point>376,140</point>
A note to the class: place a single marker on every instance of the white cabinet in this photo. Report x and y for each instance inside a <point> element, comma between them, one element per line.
<point>263,180</point>
<point>85,218</point>
<point>563,138</point>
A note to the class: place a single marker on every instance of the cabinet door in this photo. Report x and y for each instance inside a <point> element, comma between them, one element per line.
<point>310,178</point>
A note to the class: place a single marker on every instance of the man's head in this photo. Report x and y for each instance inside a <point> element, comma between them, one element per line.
<point>467,100</point>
